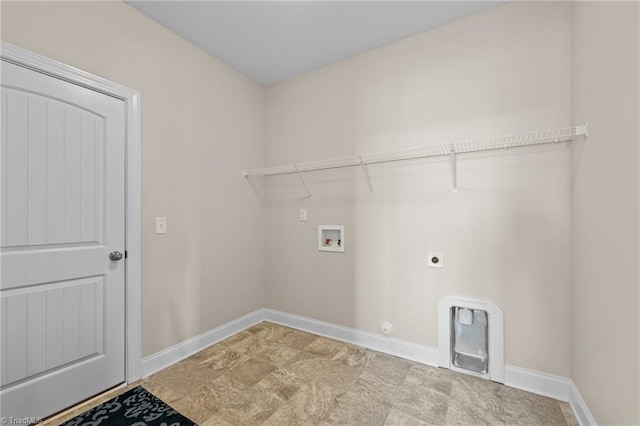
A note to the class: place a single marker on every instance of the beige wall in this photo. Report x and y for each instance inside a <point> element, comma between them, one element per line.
<point>605,212</point>
<point>202,123</point>
<point>505,235</point>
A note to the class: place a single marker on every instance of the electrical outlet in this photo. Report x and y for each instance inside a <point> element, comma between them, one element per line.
<point>435,260</point>
<point>161,225</point>
<point>386,328</point>
<point>303,215</point>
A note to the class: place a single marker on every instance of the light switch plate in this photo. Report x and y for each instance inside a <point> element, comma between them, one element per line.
<point>303,215</point>
<point>161,225</point>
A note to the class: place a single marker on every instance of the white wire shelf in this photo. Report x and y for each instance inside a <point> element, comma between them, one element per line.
<point>451,150</point>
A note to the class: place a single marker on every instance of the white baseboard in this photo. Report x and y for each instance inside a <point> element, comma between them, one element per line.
<point>167,357</point>
<point>584,416</point>
<point>556,387</point>
<point>402,348</point>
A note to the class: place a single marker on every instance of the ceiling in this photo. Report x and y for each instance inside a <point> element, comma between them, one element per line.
<point>272,41</point>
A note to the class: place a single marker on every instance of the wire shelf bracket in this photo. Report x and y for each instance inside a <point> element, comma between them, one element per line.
<point>451,150</point>
<point>304,182</point>
<point>365,170</point>
<point>454,172</point>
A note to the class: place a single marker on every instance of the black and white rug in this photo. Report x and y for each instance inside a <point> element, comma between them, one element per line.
<point>136,407</point>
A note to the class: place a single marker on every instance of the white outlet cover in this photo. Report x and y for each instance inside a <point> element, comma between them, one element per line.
<point>435,259</point>
<point>386,328</point>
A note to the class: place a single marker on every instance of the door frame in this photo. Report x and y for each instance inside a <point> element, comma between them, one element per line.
<point>131,98</point>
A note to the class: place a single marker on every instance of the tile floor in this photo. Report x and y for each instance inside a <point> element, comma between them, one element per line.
<point>274,375</point>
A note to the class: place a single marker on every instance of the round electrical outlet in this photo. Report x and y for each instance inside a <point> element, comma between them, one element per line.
<point>386,328</point>
<point>434,260</point>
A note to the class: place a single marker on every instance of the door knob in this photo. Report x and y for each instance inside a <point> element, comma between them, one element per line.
<point>115,256</point>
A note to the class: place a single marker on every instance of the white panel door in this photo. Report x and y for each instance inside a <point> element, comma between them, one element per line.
<point>62,214</point>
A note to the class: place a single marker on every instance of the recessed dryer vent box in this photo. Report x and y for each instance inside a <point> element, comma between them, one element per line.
<point>331,238</point>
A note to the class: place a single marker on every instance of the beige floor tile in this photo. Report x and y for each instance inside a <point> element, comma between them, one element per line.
<point>475,401</point>
<point>399,418</point>
<point>288,415</point>
<point>241,404</point>
<point>377,388</point>
<point>223,360</point>
<point>259,327</point>
<point>198,405</point>
<point>215,420</point>
<point>176,381</point>
<point>208,352</point>
<point>250,344</point>
<point>253,407</point>
<point>282,383</point>
<point>325,347</point>
<point>430,373</point>
<point>226,391</point>
<point>368,401</point>
<point>250,371</point>
<point>567,411</point>
<point>462,412</point>
<point>435,378</point>
<point>275,354</point>
<point>316,400</point>
<point>422,402</point>
<point>330,372</point>
<point>297,339</point>
<point>524,408</point>
<point>273,332</point>
<point>354,356</point>
<point>354,409</point>
<point>392,367</point>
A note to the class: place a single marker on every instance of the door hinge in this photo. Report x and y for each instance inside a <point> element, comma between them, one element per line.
<point>125,254</point>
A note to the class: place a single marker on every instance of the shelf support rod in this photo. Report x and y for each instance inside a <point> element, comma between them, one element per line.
<point>365,170</point>
<point>454,171</point>
<point>304,182</point>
